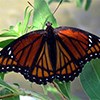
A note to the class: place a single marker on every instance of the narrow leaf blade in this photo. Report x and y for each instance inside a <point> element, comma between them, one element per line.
<point>10,33</point>
<point>64,88</point>
<point>79,3</point>
<point>87,5</point>
<point>5,42</point>
<point>24,25</point>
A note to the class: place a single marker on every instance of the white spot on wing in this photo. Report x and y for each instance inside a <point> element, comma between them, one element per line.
<point>90,36</point>
<point>27,75</point>
<point>91,55</point>
<point>9,52</point>
<point>86,59</point>
<point>52,77</point>
<point>33,77</point>
<point>74,73</point>
<point>89,45</point>
<point>46,79</point>
<point>95,54</point>
<point>13,67</point>
<point>90,40</point>
<point>63,80</point>
<point>81,61</point>
<point>11,56</point>
<point>57,76</point>
<point>7,67</point>
<point>78,69</point>
<point>2,67</point>
<point>63,76</point>
<point>19,68</point>
<point>25,70</point>
<point>8,48</point>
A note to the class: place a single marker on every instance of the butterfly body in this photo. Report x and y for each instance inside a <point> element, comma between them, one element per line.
<point>43,55</point>
<point>51,41</point>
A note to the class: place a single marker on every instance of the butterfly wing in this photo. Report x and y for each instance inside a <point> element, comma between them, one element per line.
<point>75,47</point>
<point>28,55</point>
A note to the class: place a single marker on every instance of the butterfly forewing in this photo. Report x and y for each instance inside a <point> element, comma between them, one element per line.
<point>28,55</point>
<point>24,48</point>
<point>74,48</point>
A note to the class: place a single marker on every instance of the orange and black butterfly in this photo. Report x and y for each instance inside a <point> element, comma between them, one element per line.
<point>43,55</point>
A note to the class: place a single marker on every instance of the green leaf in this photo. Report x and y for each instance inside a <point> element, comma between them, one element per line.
<point>10,33</point>
<point>64,88</point>
<point>13,98</point>
<point>5,94</point>
<point>5,85</point>
<point>42,14</point>
<point>13,31</point>
<point>87,5</point>
<point>90,79</point>
<point>17,29</point>
<point>24,25</point>
<point>5,42</point>
<point>2,75</point>
<point>53,91</point>
<point>79,3</point>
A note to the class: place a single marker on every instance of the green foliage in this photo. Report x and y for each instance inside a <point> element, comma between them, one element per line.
<point>20,28</point>
<point>7,92</point>
<point>2,75</point>
<point>90,77</point>
<point>87,5</point>
<point>64,88</point>
<point>41,15</point>
<point>50,1</point>
<point>80,3</point>
<point>5,43</point>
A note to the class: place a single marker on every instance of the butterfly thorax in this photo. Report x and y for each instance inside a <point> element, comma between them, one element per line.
<point>51,44</point>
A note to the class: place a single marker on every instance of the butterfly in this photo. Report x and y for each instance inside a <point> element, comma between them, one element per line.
<point>54,53</point>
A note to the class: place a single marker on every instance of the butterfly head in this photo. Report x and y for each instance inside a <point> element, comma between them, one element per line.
<point>48,24</point>
<point>49,28</point>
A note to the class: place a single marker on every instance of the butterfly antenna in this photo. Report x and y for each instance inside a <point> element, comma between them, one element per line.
<point>57,6</point>
<point>30,4</point>
<point>54,10</point>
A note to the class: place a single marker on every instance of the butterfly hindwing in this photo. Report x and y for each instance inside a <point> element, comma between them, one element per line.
<point>66,69</point>
<point>43,68</point>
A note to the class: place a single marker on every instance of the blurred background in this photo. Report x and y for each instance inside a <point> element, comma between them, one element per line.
<point>12,11</point>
